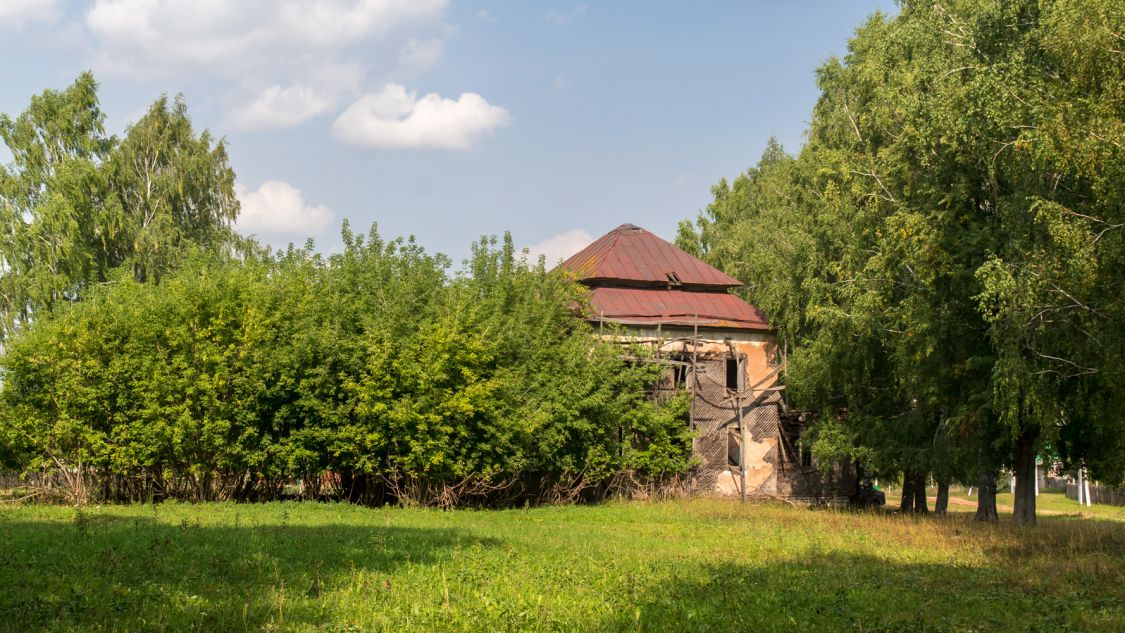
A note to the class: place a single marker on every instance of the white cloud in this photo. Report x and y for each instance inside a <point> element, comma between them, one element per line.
<point>397,119</point>
<point>559,247</point>
<point>278,209</point>
<point>281,107</point>
<point>159,36</point>
<point>419,54</point>
<point>563,19</point>
<point>281,60</point>
<point>485,16</point>
<point>16,14</point>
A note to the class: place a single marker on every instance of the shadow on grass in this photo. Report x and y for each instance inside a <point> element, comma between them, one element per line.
<point>848,592</point>
<point>136,573</point>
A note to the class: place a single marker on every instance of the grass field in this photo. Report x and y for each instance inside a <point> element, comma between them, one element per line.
<point>703,565</point>
<point>1046,504</point>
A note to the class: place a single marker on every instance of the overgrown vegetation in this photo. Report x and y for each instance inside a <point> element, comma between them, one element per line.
<point>151,353</point>
<point>683,566</point>
<point>371,374</point>
<point>944,259</point>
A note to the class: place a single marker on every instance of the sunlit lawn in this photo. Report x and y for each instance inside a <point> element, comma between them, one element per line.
<point>1050,503</point>
<point>703,565</point>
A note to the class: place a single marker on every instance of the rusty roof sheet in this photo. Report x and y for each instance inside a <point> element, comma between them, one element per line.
<point>675,307</point>
<point>632,254</point>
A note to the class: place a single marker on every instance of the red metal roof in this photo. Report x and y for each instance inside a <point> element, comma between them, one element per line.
<point>675,307</point>
<point>632,254</point>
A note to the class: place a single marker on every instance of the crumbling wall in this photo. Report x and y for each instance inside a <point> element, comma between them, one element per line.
<point>759,348</point>
<point>775,463</point>
<point>800,477</point>
<point>718,441</point>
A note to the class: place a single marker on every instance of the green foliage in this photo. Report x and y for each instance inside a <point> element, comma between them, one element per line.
<point>76,204</point>
<point>371,373</point>
<point>944,258</point>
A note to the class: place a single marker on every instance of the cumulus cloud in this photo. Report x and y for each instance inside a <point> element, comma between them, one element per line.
<point>559,247</point>
<point>395,118</point>
<point>281,107</point>
<point>160,36</point>
<point>16,14</point>
<point>281,59</point>
<point>277,209</point>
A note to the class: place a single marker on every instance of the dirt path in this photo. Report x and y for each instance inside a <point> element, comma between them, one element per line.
<point>999,507</point>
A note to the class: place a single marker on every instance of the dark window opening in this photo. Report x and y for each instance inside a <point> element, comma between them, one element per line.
<point>732,373</point>
<point>679,376</point>
<point>806,457</point>
<point>791,445</point>
<point>734,443</point>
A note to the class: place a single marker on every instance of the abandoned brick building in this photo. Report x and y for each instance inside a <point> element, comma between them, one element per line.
<point>719,348</point>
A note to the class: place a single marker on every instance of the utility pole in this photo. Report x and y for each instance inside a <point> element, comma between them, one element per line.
<point>741,443</point>
<point>1086,483</point>
<point>1083,488</point>
<point>742,439</point>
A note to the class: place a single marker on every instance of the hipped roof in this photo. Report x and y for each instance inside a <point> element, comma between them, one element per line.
<point>640,279</point>
<point>632,255</point>
<point>645,306</point>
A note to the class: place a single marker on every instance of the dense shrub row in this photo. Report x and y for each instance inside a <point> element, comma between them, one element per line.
<point>373,374</point>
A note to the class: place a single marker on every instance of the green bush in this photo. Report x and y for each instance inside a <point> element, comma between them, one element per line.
<point>373,374</point>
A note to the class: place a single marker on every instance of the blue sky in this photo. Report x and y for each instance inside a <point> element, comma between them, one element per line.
<point>450,119</point>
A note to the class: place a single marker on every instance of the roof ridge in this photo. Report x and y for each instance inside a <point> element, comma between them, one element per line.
<point>632,254</point>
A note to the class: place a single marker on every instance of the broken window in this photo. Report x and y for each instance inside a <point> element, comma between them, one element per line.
<point>806,457</point>
<point>732,374</point>
<point>791,450</point>
<point>679,376</point>
<point>734,443</point>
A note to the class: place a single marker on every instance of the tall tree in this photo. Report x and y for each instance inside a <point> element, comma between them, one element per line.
<point>52,201</point>
<point>76,203</point>
<point>175,190</point>
<point>944,256</point>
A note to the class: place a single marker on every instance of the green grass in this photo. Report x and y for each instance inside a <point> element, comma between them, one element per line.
<point>703,565</point>
<point>1046,504</point>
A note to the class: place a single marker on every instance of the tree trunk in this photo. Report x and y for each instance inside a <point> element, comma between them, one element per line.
<point>986,497</point>
<point>1025,477</point>
<point>941,506</point>
<point>920,505</point>
<point>906,505</point>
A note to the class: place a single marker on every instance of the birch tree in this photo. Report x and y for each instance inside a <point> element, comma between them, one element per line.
<point>76,203</point>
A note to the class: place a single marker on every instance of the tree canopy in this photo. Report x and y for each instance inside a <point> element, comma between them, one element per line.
<point>76,204</point>
<point>371,373</point>
<point>943,258</point>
